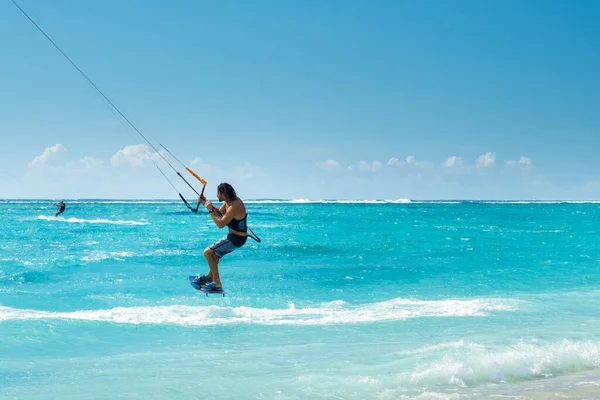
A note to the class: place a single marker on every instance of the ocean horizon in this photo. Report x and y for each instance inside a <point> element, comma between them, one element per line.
<point>302,200</point>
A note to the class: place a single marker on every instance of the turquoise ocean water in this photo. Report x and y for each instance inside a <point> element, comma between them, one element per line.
<point>342,300</point>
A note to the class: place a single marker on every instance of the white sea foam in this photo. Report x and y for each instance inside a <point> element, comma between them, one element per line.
<point>89,221</point>
<point>463,363</point>
<point>322,201</point>
<point>99,255</point>
<point>166,252</point>
<point>336,312</point>
<point>106,255</point>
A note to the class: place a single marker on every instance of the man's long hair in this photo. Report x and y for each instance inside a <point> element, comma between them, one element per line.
<point>227,191</point>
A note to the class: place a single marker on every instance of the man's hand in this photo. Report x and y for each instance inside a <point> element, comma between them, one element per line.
<point>201,200</point>
<point>208,205</point>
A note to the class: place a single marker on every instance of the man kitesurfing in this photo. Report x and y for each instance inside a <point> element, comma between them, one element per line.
<point>61,208</point>
<point>231,214</point>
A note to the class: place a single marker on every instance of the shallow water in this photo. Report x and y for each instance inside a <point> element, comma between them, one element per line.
<point>381,300</point>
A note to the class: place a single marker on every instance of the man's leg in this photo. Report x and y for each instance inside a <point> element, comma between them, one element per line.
<point>213,265</point>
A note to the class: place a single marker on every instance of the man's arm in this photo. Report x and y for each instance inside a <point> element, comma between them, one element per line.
<point>222,222</point>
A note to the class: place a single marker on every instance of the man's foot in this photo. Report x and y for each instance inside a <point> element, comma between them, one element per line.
<point>201,280</point>
<point>211,287</point>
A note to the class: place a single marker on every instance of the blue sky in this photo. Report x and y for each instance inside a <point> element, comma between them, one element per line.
<point>304,99</point>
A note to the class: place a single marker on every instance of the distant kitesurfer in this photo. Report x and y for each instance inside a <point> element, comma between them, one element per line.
<point>61,208</point>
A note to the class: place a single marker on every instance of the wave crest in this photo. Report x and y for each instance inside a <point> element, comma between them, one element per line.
<point>72,220</point>
<point>336,312</point>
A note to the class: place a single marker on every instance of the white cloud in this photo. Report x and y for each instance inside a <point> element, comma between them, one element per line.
<point>411,160</point>
<point>395,161</point>
<point>369,167</point>
<point>329,165</point>
<point>49,156</point>
<point>453,161</point>
<point>408,160</point>
<point>135,155</point>
<point>486,160</point>
<point>90,162</point>
<point>523,161</point>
